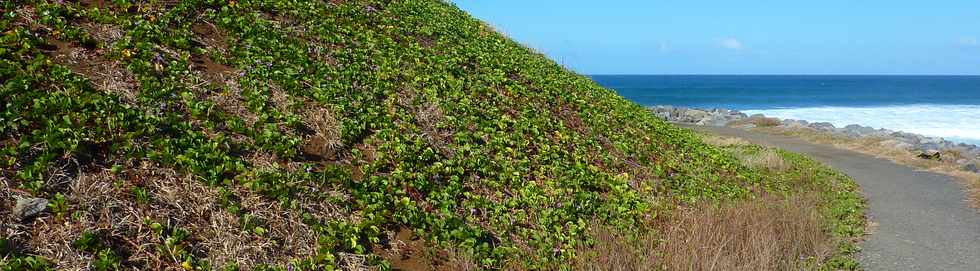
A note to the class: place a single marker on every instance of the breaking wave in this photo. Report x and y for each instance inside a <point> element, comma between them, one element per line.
<point>958,123</point>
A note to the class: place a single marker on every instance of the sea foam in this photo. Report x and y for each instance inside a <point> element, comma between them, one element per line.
<point>957,123</point>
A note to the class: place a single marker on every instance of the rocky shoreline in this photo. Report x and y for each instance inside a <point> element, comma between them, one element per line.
<point>927,147</point>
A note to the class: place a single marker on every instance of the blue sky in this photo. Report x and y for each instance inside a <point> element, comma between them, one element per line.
<point>745,36</point>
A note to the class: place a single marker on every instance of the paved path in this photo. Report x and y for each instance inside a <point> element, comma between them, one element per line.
<point>924,222</point>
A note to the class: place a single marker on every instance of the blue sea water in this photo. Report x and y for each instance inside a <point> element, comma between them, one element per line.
<point>943,106</point>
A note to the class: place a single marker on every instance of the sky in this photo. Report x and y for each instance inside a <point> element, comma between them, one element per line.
<point>939,37</point>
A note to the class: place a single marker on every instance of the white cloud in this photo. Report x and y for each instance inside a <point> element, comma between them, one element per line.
<point>731,43</point>
<point>968,42</point>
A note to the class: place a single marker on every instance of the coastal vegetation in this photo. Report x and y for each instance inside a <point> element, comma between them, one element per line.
<point>812,223</point>
<point>927,153</point>
<point>322,135</point>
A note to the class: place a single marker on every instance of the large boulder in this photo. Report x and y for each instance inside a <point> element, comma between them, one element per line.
<point>930,155</point>
<point>896,144</point>
<point>694,115</point>
<point>791,123</point>
<point>971,167</point>
<point>908,137</point>
<point>928,147</point>
<point>822,126</point>
<point>715,120</point>
<point>882,133</point>
<point>855,130</point>
<point>29,207</point>
<point>932,140</point>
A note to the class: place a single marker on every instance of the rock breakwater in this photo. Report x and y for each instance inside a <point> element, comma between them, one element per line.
<point>967,156</point>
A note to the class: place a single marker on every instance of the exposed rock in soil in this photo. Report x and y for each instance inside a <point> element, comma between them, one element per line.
<point>29,207</point>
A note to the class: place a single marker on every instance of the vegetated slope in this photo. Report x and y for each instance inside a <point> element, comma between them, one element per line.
<point>317,134</point>
<point>809,220</point>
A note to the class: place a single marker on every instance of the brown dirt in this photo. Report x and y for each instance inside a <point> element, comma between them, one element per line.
<point>426,41</point>
<point>406,251</point>
<point>212,39</point>
<point>106,75</point>
<point>215,72</point>
<point>93,3</point>
<point>209,35</point>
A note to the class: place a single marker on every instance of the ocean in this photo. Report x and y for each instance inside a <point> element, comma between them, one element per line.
<point>941,106</point>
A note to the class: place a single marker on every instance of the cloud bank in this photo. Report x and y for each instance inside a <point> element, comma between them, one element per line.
<point>731,43</point>
<point>968,42</point>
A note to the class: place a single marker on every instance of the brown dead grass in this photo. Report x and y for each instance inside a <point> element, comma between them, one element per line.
<point>767,159</point>
<point>325,140</point>
<point>101,206</point>
<point>722,141</point>
<point>615,252</point>
<point>102,202</point>
<point>104,33</point>
<point>884,148</point>
<point>758,234</point>
<point>428,115</point>
<point>287,238</point>
<point>758,122</point>
<point>762,234</point>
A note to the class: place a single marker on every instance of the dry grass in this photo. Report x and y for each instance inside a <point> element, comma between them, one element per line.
<point>722,141</point>
<point>885,148</point>
<point>287,238</point>
<point>100,206</point>
<point>104,33</point>
<point>428,115</point>
<point>464,262</point>
<point>326,138</point>
<point>767,159</point>
<point>758,122</point>
<point>761,234</point>
<point>614,252</point>
<point>229,99</point>
<point>757,234</point>
<point>102,202</point>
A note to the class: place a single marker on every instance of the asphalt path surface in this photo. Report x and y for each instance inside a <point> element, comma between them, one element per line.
<point>923,221</point>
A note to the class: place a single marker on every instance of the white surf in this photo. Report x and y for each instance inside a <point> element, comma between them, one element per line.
<point>957,123</point>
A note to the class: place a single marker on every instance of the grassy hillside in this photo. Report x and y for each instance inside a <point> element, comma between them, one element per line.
<point>212,134</point>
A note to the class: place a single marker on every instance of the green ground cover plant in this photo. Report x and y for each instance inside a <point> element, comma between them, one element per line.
<point>307,135</point>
